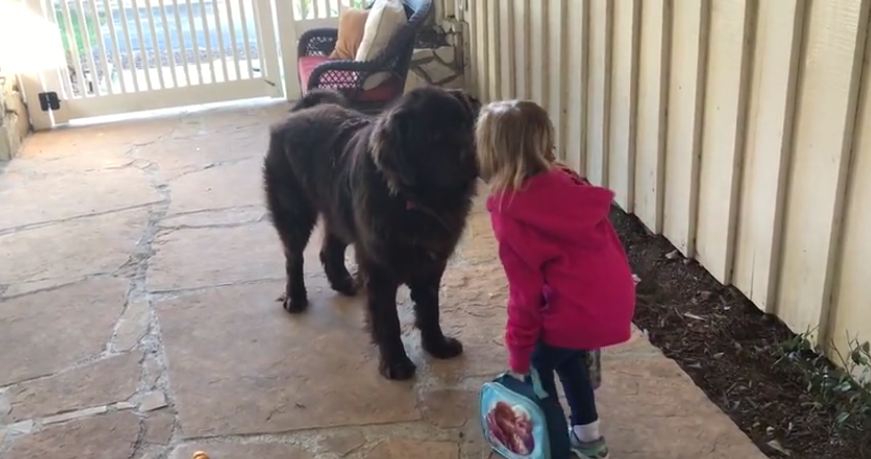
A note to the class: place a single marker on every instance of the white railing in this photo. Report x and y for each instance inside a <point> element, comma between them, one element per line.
<point>128,46</point>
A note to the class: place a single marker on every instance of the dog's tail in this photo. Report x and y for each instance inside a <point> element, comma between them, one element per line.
<point>320,97</point>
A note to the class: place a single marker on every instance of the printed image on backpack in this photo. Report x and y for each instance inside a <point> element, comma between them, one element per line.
<point>521,421</point>
<point>511,426</point>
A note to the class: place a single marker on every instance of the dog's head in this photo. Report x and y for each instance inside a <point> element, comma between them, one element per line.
<point>425,146</point>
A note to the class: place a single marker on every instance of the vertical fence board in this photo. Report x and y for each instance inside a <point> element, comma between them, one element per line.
<point>471,69</point>
<point>685,97</point>
<point>555,69</point>
<point>481,39</point>
<point>94,80</point>
<point>494,76</point>
<point>624,74</point>
<point>243,15</point>
<point>653,61</point>
<point>538,50</point>
<point>598,90</point>
<point>287,39</point>
<point>116,55</point>
<point>101,47</point>
<point>826,107</point>
<point>74,51</point>
<point>231,21</point>
<point>851,314</point>
<point>507,49</point>
<point>158,64</point>
<point>165,25</point>
<point>722,133</point>
<point>766,152</point>
<point>195,46</point>
<point>219,32</point>
<point>521,49</point>
<point>575,72</point>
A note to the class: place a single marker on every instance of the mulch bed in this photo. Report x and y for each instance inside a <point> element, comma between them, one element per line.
<point>730,350</point>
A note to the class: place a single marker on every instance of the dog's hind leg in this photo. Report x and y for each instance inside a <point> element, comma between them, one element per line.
<point>333,259</point>
<point>425,294</point>
<point>294,218</point>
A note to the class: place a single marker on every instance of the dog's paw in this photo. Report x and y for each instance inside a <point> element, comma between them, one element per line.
<point>445,348</point>
<point>293,305</point>
<point>398,369</point>
<point>346,285</point>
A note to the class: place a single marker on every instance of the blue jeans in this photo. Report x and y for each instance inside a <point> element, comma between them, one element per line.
<point>570,365</point>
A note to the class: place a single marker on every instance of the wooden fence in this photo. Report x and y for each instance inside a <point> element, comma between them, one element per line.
<point>739,129</point>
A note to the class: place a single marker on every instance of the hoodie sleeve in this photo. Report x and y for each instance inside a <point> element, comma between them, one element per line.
<point>525,285</point>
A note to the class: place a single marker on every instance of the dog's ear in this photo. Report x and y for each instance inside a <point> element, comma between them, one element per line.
<point>388,142</point>
<point>471,104</point>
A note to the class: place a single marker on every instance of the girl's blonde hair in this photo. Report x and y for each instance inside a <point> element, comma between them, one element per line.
<point>514,142</point>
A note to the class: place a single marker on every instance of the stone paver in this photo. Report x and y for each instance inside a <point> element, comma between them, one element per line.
<point>56,254</point>
<point>639,396</point>
<point>215,217</point>
<point>449,408</point>
<point>344,443</point>
<point>235,451</point>
<point>153,401</point>
<point>200,257</point>
<point>137,292</point>
<point>198,152</point>
<point>109,436</point>
<point>402,448</point>
<point>74,194</point>
<point>52,330</point>
<point>100,383</point>
<point>288,373</point>
<point>226,186</point>
<point>158,428</point>
<point>132,325</point>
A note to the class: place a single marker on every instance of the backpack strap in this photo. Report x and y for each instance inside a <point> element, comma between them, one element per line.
<point>536,384</point>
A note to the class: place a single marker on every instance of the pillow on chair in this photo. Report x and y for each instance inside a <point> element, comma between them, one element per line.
<point>386,17</point>
<point>352,23</point>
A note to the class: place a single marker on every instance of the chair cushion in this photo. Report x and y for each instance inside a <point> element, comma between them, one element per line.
<point>352,22</point>
<point>386,17</point>
<point>384,92</point>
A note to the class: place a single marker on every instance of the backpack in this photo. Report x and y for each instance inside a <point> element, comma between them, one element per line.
<point>522,421</point>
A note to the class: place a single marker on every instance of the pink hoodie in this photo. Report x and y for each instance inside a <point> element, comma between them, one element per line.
<point>569,280</point>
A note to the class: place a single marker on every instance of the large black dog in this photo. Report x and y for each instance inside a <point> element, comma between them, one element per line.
<point>398,186</point>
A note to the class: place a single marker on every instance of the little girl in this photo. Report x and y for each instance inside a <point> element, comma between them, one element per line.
<point>570,286</point>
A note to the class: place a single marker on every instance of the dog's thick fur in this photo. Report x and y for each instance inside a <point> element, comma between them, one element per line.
<point>398,186</point>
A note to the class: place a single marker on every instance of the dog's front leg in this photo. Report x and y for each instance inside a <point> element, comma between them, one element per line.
<point>425,294</point>
<point>384,321</point>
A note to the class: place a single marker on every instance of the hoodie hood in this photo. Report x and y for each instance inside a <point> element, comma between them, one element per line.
<point>556,203</point>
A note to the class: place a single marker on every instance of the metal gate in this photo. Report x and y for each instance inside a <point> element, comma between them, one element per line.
<point>121,56</point>
<point>131,55</point>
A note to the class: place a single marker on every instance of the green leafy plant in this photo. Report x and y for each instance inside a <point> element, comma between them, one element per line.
<point>844,391</point>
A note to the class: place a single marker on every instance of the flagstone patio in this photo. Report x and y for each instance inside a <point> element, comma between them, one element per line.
<point>138,278</point>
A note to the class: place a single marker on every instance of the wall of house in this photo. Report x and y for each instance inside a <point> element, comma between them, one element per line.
<point>14,120</point>
<point>14,123</point>
<point>739,129</point>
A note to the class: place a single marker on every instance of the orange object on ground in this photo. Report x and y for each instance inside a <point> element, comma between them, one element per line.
<point>200,455</point>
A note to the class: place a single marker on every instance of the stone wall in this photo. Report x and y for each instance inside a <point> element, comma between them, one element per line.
<point>14,121</point>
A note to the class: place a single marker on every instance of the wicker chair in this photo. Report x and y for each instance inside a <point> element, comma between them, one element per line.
<point>317,70</point>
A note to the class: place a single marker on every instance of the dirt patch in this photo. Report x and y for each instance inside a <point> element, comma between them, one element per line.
<point>732,352</point>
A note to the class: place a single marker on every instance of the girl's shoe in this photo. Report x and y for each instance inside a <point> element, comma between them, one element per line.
<point>596,449</point>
